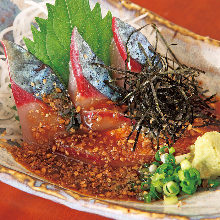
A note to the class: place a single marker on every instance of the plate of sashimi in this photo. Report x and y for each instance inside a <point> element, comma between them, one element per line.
<point>107,108</point>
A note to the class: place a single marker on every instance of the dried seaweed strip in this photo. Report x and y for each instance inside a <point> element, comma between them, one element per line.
<point>163,100</point>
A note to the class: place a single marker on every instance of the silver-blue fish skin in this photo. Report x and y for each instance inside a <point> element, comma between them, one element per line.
<point>96,76</point>
<point>130,36</point>
<point>33,76</point>
<point>29,73</point>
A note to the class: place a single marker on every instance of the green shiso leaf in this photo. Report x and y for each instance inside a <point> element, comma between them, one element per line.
<point>51,44</point>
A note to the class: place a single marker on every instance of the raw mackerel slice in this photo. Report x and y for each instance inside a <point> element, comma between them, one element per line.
<point>127,39</point>
<point>43,105</point>
<point>90,79</point>
<point>88,89</point>
<point>104,119</point>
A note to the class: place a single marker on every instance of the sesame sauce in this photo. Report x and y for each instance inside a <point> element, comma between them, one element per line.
<point>100,164</point>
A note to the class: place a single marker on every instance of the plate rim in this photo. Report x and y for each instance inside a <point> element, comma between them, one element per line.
<point>29,181</point>
<point>19,176</point>
<point>129,5</point>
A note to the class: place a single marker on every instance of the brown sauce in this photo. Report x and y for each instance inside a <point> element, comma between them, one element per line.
<point>93,172</point>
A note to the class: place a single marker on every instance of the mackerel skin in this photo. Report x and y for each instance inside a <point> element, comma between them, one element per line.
<point>40,97</point>
<point>89,91</point>
<point>131,41</point>
<point>86,70</point>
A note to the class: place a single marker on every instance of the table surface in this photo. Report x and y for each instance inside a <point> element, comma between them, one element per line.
<point>199,16</point>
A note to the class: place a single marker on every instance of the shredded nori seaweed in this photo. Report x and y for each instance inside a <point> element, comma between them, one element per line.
<point>163,99</point>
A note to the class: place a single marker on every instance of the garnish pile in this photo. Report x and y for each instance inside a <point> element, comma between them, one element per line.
<point>165,97</point>
<point>165,179</point>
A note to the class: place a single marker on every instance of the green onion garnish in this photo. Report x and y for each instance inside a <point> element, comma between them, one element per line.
<point>166,179</point>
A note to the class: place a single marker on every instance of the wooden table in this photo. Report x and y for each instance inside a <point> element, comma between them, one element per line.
<point>200,16</point>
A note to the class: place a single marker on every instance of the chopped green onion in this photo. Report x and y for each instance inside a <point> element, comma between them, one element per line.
<point>169,158</point>
<point>188,186</point>
<point>190,179</point>
<point>159,189</point>
<point>165,168</point>
<point>157,180</point>
<point>181,175</point>
<point>160,151</point>
<point>157,156</point>
<point>164,157</point>
<point>154,193</point>
<point>147,198</point>
<point>172,150</point>
<point>171,189</point>
<point>194,173</point>
<point>166,178</point>
<point>170,178</point>
<point>156,163</point>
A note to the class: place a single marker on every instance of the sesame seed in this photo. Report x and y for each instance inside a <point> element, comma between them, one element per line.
<point>58,90</point>
<point>78,109</point>
<point>131,141</point>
